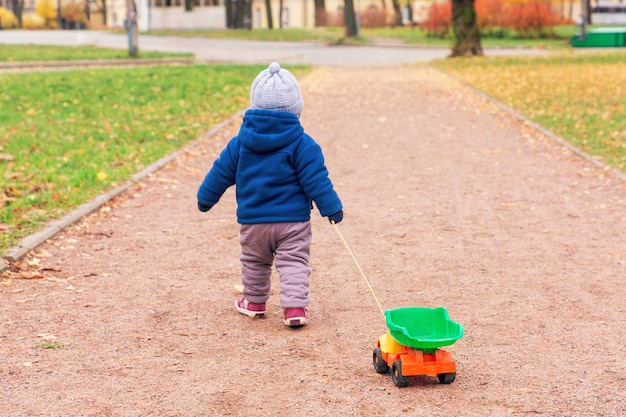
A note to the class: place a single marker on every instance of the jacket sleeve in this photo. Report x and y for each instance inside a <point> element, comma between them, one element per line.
<point>221,176</point>
<point>313,177</point>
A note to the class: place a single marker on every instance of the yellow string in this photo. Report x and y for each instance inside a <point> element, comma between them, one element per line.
<point>358,266</point>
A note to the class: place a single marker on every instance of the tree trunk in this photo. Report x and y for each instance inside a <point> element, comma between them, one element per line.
<point>349,19</point>
<point>18,7</point>
<point>241,10</point>
<point>268,8</point>
<point>586,10</point>
<point>465,26</point>
<point>280,14</point>
<point>131,28</point>
<point>398,13</point>
<point>228,4</point>
<point>320,13</point>
<point>104,12</point>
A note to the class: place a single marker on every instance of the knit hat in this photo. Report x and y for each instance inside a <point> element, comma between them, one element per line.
<point>276,89</point>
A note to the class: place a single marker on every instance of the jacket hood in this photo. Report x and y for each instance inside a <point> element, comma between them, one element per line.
<point>268,130</point>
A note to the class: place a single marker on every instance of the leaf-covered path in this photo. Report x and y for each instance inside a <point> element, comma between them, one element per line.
<point>448,201</point>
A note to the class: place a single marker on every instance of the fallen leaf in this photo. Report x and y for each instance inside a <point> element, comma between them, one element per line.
<point>34,262</point>
<point>53,279</point>
<point>29,275</point>
<point>6,157</point>
<point>238,288</point>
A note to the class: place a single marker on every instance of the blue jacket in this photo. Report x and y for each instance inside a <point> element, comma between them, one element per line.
<point>278,171</point>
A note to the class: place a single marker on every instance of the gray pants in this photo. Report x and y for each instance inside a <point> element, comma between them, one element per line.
<point>287,246</point>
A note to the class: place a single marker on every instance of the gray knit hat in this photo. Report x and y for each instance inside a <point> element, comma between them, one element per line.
<point>276,88</point>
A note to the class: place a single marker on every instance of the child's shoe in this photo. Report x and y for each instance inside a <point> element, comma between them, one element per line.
<point>249,309</point>
<point>296,317</point>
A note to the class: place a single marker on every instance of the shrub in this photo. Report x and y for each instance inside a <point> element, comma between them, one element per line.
<point>373,18</point>
<point>73,12</point>
<point>47,9</point>
<point>439,21</point>
<point>33,21</point>
<point>7,19</point>
<point>531,19</point>
<point>491,17</point>
<point>499,18</point>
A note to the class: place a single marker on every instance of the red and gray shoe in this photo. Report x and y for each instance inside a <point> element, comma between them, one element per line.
<point>249,309</point>
<point>296,317</point>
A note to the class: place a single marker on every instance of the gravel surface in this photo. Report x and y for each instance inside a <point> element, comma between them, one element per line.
<point>448,201</point>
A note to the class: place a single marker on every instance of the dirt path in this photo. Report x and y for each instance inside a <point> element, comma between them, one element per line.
<point>448,201</point>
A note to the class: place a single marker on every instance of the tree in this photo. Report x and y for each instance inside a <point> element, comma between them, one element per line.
<point>280,14</point>
<point>586,10</point>
<point>102,7</point>
<point>320,13</point>
<point>73,14</point>
<point>47,9</point>
<point>397,21</point>
<point>350,18</point>
<point>465,28</point>
<point>18,7</point>
<point>131,28</point>
<point>268,8</point>
<point>238,13</point>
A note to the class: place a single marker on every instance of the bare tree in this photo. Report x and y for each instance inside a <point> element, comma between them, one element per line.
<point>268,8</point>
<point>397,21</point>
<point>465,27</point>
<point>349,18</point>
<point>18,8</point>
<point>320,13</point>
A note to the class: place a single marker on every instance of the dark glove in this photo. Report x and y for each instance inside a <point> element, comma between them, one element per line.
<point>336,217</point>
<point>203,207</point>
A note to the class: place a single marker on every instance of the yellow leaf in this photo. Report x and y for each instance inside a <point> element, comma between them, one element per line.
<point>101,176</point>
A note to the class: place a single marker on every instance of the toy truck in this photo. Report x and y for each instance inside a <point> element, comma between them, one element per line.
<point>412,345</point>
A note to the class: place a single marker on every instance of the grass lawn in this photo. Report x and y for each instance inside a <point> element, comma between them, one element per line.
<point>410,36</point>
<point>580,97</point>
<point>31,53</point>
<point>327,34</point>
<point>67,136</point>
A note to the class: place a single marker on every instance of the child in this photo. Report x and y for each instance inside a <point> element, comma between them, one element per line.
<point>278,171</point>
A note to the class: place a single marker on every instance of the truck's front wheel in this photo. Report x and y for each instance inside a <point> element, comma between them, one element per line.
<point>379,363</point>
<point>396,375</point>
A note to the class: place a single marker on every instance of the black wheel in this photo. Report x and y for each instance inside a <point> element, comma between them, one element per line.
<point>447,378</point>
<point>380,365</point>
<point>396,375</point>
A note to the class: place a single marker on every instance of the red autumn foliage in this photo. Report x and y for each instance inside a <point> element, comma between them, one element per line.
<point>530,19</point>
<point>439,19</point>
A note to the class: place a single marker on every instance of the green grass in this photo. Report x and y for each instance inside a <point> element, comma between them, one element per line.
<point>65,137</point>
<point>51,345</point>
<point>408,35</point>
<point>327,34</point>
<point>31,53</point>
<point>580,97</point>
<point>417,36</point>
